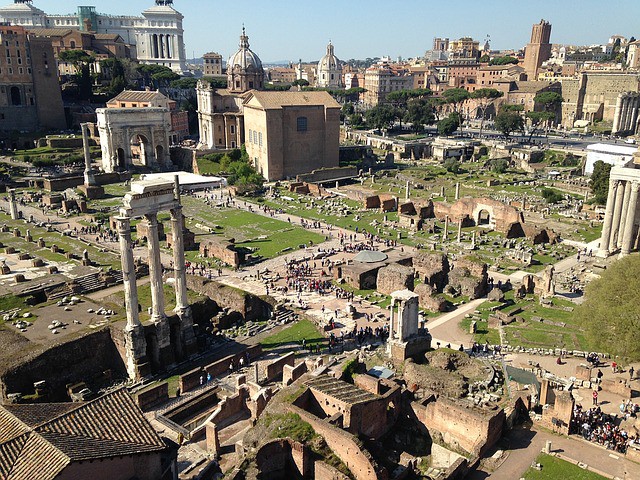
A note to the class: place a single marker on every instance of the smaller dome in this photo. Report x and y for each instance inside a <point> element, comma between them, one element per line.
<point>329,62</point>
<point>370,256</point>
<point>245,58</point>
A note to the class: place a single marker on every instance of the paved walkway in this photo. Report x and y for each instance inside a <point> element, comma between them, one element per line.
<point>526,445</point>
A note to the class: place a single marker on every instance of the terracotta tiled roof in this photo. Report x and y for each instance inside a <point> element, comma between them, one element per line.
<point>137,96</point>
<point>277,100</point>
<point>45,438</point>
<point>50,32</point>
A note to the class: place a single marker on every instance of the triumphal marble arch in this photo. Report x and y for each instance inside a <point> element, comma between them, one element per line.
<point>131,137</point>
<point>159,343</point>
<point>621,232</point>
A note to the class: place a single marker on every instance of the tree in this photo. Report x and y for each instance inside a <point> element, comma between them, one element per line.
<point>300,82</point>
<point>419,113</point>
<point>452,165</point>
<point>499,165</point>
<point>156,76</point>
<point>117,72</point>
<point>380,116</point>
<point>610,313</point>
<point>600,181</point>
<point>456,97</point>
<point>447,126</point>
<point>548,102</point>
<point>485,58</point>
<point>485,97</point>
<point>508,121</point>
<point>506,60</point>
<point>81,62</point>
<point>551,195</point>
<point>185,83</point>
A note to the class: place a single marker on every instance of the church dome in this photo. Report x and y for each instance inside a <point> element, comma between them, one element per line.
<point>329,70</point>
<point>329,62</point>
<point>244,58</point>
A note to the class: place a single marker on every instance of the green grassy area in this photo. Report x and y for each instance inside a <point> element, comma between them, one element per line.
<point>67,244</point>
<point>554,468</point>
<point>247,228</point>
<point>303,329</point>
<point>483,333</point>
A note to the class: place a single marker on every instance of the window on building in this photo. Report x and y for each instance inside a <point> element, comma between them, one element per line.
<point>250,133</point>
<point>232,129</point>
<point>301,124</point>
<point>237,83</point>
<point>20,71</point>
<point>250,84</point>
<point>15,96</point>
<point>19,61</point>
<point>260,138</point>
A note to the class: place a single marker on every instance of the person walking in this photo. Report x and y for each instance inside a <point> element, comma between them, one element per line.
<point>595,397</point>
<point>631,372</point>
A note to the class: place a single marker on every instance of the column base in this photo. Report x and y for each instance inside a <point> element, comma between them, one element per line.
<point>188,343</point>
<point>603,253</point>
<point>163,354</point>
<point>138,365</point>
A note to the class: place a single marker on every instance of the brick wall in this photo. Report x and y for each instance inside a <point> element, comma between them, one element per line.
<point>153,396</point>
<point>274,368</point>
<point>461,425</point>
<point>291,373</point>
<point>344,445</point>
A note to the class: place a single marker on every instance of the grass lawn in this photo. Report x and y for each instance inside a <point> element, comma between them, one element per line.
<point>554,468</point>
<point>483,332</point>
<point>247,228</point>
<point>303,329</point>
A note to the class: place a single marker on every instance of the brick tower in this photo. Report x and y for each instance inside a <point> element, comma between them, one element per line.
<point>538,50</point>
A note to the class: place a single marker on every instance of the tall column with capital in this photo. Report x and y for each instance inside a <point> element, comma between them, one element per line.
<point>163,356</point>
<point>608,219</point>
<point>617,215</point>
<point>89,178</point>
<point>627,240</point>
<point>623,216</point>
<point>183,309</point>
<point>617,118</point>
<point>135,343</point>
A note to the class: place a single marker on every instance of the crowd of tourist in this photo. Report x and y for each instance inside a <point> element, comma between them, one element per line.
<point>596,426</point>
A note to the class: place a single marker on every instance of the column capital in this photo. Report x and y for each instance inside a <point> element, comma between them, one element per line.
<point>635,186</point>
<point>152,218</point>
<point>614,182</point>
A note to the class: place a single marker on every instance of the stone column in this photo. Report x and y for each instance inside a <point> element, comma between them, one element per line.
<point>135,343</point>
<point>631,219</point>
<point>617,214</point>
<point>459,239</point>
<point>13,205</point>
<point>162,356</point>
<point>407,191</point>
<point>618,114</point>
<point>457,191</point>
<point>446,228</point>
<point>89,178</point>
<point>473,240</point>
<point>608,219</point>
<point>183,309</point>
<point>623,216</point>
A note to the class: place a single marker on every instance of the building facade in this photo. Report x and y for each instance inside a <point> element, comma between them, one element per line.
<point>220,119</point>
<point>538,50</point>
<point>212,64</point>
<point>157,37</point>
<point>291,133</point>
<point>30,95</point>
<point>382,79</point>
<point>329,70</point>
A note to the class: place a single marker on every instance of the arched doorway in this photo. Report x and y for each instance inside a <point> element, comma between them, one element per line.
<point>160,154</point>
<point>122,160</point>
<point>140,151</point>
<point>16,98</point>
<point>484,218</point>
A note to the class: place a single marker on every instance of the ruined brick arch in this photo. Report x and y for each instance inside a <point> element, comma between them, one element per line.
<point>484,215</point>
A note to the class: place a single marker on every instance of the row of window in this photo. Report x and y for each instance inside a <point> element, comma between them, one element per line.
<point>255,137</point>
<point>20,70</point>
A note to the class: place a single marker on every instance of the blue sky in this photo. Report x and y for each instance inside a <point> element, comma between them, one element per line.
<point>288,29</point>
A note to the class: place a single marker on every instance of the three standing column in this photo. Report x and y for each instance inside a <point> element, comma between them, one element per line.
<point>135,342</point>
